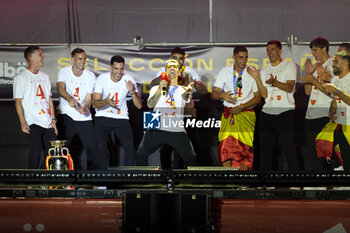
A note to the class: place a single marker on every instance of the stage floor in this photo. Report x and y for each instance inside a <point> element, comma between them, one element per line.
<point>58,215</point>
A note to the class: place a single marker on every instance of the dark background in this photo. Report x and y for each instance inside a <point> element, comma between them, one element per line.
<point>180,21</point>
<point>156,21</point>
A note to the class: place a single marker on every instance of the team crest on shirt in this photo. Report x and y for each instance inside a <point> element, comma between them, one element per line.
<point>152,120</point>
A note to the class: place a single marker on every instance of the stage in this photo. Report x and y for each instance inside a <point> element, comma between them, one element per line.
<point>148,199</point>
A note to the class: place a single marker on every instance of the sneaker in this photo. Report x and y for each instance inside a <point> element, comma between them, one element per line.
<point>314,188</point>
<point>340,168</point>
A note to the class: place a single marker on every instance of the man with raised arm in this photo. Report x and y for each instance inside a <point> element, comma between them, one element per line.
<point>276,84</point>
<point>109,100</point>
<point>319,101</point>
<point>337,131</point>
<point>186,76</point>
<point>168,100</point>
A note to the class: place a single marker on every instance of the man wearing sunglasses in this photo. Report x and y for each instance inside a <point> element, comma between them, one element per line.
<point>186,76</point>
<point>276,84</point>
<point>235,86</point>
<point>168,100</point>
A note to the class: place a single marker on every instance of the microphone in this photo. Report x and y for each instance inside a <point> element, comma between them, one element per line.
<point>164,76</point>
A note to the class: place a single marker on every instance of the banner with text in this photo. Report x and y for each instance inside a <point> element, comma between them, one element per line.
<point>142,64</point>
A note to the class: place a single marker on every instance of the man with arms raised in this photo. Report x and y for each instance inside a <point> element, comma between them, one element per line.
<point>168,101</point>
<point>319,101</point>
<point>109,100</point>
<point>339,112</point>
<point>186,76</point>
<point>276,84</point>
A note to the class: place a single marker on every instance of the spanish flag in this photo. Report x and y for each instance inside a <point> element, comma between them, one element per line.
<point>236,137</point>
<point>325,140</point>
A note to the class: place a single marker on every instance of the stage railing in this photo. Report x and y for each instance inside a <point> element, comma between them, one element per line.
<point>213,181</point>
<point>193,177</point>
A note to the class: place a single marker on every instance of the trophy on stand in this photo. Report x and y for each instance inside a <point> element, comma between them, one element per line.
<point>58,157</point>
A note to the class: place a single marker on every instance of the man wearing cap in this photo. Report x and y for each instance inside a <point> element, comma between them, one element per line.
<point>186,76</point>
<point>168,100</point>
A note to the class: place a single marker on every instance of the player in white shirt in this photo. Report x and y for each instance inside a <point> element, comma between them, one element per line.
<point>170,106</point>
<point>34,106</point>
<point>240,94</point>
<point>319,101</point>
<point>276,84</point>
<point>340,106</point>
<point>186,76</point>
<point>75,86</point>
<point>109,100</point>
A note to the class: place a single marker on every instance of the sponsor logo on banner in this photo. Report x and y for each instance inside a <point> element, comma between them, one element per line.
<point>8,71</point>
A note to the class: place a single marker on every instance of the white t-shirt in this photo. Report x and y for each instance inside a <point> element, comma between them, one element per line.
<point>319,102</point>
<point>171,117</point>
<point>224,81</point>
<point>118,93</point>
<point>189,70</point>
<point>279,101</point>
<point>35,92</point>
<point>343,110</point>
<point>78,88</point>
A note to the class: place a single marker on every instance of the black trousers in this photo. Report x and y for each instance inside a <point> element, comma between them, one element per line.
<point>339,138</point>
<point>121,127</point>
<point>312,128</point>
<point>154,139</point>
<point>39,140</point>
<point>177,163</point>
<point>281,125</point>
<point>85,131</point>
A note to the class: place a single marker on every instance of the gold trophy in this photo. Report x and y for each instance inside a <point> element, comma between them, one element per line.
<point>58,157</point>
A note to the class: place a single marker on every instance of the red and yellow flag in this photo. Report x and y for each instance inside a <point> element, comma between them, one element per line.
<point>325,141</point>
<point>236,138</point>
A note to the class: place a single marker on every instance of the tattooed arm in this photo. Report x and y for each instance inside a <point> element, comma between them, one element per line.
<point>153,100</point>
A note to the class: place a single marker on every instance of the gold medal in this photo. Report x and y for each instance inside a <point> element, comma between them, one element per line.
<point>235,97</point>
